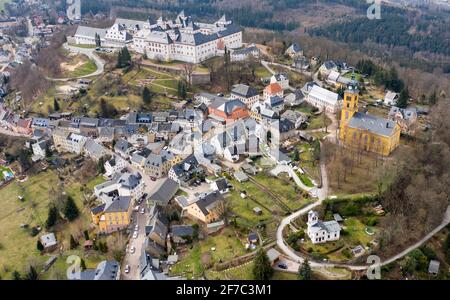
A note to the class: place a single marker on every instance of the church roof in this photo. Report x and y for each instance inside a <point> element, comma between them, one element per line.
<point>379,126</point>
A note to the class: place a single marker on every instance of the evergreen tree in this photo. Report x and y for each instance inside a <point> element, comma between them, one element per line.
<point>39,245</point>
<point>56,105</point>
<point>433,98</point>
<point>52,217</point>
<point>73,243</point>
<point>296,155</point>
<point>402,101</point>
<point>304,271</point>
<point>262,270</point>
<point>101,165</point>
<point>16,275</point>
<point>147,96</point>
<point>32,274</point>
<point>86,235</point>
<point>98,41</point>
<point>82,265</point>
<point>71,210</point>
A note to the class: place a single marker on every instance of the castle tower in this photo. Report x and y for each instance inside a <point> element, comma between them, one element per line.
<point>350,105</point>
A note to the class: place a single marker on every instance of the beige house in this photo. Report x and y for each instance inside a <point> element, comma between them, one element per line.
<point>208,208</point>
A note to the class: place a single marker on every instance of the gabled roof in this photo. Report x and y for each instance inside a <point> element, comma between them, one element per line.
<point>228,106</point>
<point>243,90</point>
<point>208,202</point>
<point>273,88</point>
<point>165,191</point>
<point>120,204</point>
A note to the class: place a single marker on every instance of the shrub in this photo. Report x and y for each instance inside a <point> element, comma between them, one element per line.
<point>371,221</point>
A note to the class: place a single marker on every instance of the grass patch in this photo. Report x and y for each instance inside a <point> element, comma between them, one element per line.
<point>85,46</point>
<point>243,272</point>
<point>317,122</point>
<point>2,4</point>
<point>305,180</point>
<point>18,247</point>
<point>227,246</point>
<point>86,68</point>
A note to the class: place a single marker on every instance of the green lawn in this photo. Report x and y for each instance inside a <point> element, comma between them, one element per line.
<point>317,122</point>
<point>18,248</point>
<point>243,208</point>
<point>262,72</point>
<point>284,188</point>
<point>227,246</point>
<point>2,4</point>
<point>86,46</point>
<point>86,68</point>
<point>253,191</point>
<point>243,272</point>
<point>305,180</point>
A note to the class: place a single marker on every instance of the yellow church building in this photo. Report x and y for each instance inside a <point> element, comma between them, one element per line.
<point>363,131</point>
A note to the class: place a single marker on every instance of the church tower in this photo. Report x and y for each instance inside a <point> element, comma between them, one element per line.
<point>350,105</point>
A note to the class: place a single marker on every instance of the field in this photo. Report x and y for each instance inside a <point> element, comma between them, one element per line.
<point>82,69</point>
<point>18,248</point>
<point>2,4</point>
<point>227,246</point>
<point>284,188</point>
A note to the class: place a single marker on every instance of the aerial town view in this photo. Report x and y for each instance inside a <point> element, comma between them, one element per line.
<point>194,140</point>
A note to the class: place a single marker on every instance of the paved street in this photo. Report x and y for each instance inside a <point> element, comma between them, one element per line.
<point>132,259</point>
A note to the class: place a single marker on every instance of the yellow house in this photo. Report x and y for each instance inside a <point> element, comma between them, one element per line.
<point>207,209</point>
<point>363,131</point>
<point>113,216</point>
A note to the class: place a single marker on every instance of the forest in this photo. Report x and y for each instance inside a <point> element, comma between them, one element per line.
<point>397,27</point>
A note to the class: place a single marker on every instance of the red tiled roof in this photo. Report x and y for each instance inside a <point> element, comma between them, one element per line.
<point>273,88</point>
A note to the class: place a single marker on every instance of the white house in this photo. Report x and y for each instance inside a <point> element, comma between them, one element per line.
<point>245,53</point>
<point>247,94</point>
<point>122,185</point>
<point>391,98</point>
<point>115,165</point>
<point>220,185</point>
<point>39,150</point>
<point>282,79</point>
<point>322,232</point>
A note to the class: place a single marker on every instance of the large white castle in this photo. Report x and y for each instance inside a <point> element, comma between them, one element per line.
<point>180,39</point>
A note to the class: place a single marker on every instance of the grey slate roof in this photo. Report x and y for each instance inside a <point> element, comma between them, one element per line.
<point>165,191</point>
<point>182,230</point>
<point>120,204</point>
<point>243,90</point>
<point>90,31</point>
<point>372,124</point>
<point>208,202</point>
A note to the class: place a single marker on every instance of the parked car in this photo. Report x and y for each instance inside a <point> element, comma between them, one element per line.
<point>132,249</point>
<point>282,266</point>
<point>136,228</point>
<point>135,234</point>
<point>143,211</point>
<point>127,269</point>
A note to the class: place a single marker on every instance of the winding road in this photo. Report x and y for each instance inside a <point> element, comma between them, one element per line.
<point>90,53</point>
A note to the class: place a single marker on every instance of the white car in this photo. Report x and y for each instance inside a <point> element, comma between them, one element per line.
<point>136,228</point>
<point>135,235</point>
<point>143,211</point>
<point>132,249</point>
<point>127,269</point>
